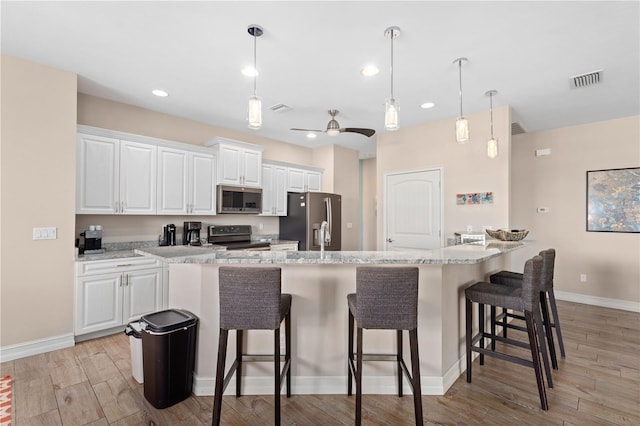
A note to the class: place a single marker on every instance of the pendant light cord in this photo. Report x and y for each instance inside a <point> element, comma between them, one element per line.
<point>460,83</point>
<point>255,70</point>
<point>491,112</point>
<point>392,35</point>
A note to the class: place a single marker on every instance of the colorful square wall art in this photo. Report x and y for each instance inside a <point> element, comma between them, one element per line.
<point>613,200</point>
<point>475,198</point>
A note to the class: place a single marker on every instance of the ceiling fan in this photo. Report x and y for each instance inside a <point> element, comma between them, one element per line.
<point>334,129</point>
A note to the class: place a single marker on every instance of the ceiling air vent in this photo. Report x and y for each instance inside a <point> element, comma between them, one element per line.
<point>517,129</point>
<point>279,108</point>
<point>587,79</point>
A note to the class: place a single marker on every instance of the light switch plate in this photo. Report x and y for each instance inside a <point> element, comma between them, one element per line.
<point>48,233</point>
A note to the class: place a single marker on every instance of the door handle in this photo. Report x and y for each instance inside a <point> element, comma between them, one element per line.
<point>389,240</point>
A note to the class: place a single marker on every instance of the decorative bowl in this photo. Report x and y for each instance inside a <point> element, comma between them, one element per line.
<point>508,235</point>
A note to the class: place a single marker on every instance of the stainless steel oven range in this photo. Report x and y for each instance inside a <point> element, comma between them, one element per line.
<point>235,237</point>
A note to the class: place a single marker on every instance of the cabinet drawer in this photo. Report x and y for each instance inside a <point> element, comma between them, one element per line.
<point>116,265</point>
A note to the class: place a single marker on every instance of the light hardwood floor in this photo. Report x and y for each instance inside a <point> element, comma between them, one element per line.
<point>597,383</point>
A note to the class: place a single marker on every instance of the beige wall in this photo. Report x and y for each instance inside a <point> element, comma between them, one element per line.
<point>466,168</point>
<point>368,203</point>
<point>341,176</point>
<point>610,260</point>
<point>346,181</point>
<point>38,177</point>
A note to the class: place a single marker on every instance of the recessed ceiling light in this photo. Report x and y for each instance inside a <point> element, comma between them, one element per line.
<point>160,93</point>
<point>250,71</point>
<point>369,70</point>
<point>311,135</point>
<point>427,105</point>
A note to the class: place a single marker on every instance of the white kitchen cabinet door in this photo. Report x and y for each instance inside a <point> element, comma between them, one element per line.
<point>202,185</point>
<point>280,190</point>
<point>301,180</point>
<point>142,293</point>
<point>251,171</point>
<point>97,174</point>
<point>313,181</point>
<point>268,195</point>
<point>274,190</point>
<point>230,172</point>
<point>98,302</point>
<point>137,178</point>
<point>239,166</point>
<point>295,180</point>
<point>173,180</point>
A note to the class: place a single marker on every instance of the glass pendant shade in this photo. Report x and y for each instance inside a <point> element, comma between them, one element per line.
<point>462,130</point>
<point>391,115</point>
<point>255,112</point>
<point>492,148</point>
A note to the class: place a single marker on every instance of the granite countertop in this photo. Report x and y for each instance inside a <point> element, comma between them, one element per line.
<point>460,254</point>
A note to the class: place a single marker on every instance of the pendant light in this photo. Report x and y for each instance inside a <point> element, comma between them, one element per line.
<point>255,103</point>
<point>462,125</point>
<point>391,106</point>
<point>492,144</point>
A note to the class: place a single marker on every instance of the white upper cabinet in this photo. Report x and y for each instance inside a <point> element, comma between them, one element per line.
<point>303,180</point>
<point>239,163</point>
<point>274,190</point>
<point>186,182</point>
<point>115,176</point>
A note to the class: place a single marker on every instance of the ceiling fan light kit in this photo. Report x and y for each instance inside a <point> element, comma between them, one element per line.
<point>391,106</point>
<point>255,104</point>
<point>462,125</point>
<point>334,129</point>
<point>492,143</point>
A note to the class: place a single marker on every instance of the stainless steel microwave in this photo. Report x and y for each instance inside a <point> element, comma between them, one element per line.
<point>238,199</point>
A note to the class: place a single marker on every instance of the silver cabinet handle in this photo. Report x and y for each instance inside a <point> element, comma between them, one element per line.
<point>126,282</point>
<point>389,240</point>
<point>124,265</point>
<point>121,279</point>
<point>115,207</point>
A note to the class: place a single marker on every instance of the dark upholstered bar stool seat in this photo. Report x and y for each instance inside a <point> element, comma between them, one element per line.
<point>514,279</point>
<point>525,299</point>
<point>251,299</point>
<point>386,298</point>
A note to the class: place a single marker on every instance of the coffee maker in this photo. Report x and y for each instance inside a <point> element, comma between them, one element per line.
<point>191,233</point>
<point>91,240</point>
<point>168,237</point>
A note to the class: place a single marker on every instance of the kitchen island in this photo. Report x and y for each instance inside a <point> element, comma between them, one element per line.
<point>319,284</point>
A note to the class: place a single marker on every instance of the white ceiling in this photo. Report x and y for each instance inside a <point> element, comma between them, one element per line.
<point>311,53</point>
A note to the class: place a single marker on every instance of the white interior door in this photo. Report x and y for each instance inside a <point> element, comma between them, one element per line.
<point>413,210</point>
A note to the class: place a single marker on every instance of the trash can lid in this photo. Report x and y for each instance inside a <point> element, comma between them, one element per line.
<point>168,320</point>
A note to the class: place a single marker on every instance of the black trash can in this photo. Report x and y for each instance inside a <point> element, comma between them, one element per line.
<point>168,355</point>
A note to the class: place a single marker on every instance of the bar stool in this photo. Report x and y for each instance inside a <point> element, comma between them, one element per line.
<point>524,298</point>
<point>251,299</point>
<point>514,279</point>
<point>385,298</point>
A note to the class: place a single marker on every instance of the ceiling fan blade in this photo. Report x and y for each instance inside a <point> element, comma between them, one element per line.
<point>367,132</point>
<point>308,130</point>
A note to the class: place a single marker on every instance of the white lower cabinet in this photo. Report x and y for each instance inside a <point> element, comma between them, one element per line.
<point>112,293</point>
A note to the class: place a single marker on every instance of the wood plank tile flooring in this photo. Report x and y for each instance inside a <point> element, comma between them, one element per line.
<point>597,384</point>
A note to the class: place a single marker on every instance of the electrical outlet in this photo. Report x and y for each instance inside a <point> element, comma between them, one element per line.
<point>469,228</point>
<point>260,226</point>
<point>583,278</point>
<point>485,227</point>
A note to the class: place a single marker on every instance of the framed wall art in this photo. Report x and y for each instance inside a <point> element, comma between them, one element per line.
<point>613,200</point>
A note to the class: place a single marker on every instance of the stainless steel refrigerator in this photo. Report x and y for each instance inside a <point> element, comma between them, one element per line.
<point>305,214</point>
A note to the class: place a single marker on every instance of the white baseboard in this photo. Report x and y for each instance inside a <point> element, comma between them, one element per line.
<point>36,347</point>
<point>322,385</point>
<point>605,302</point>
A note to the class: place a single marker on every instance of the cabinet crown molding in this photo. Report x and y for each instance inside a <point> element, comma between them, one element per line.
<point>246,145</point>
<point>292,165</point>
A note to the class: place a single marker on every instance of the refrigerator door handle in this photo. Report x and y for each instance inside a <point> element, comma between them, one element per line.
<point>327,237</point>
